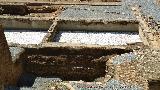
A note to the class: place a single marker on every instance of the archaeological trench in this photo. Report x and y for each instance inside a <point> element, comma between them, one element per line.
<point>79,45</point>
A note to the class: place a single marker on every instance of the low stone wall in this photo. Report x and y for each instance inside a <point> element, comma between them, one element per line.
<point>21,22</point>
<point>118,26</point>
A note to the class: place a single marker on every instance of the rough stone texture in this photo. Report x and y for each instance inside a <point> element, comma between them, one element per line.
<point>129,73</point>
<point>125,68</point>
<point>136,70</point>
<point>9,72</point>
<point>149,63</point>
<point>68,64</point>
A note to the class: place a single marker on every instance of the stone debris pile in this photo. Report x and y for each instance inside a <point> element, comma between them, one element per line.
<point>24,37</point>
<point>100,38</point>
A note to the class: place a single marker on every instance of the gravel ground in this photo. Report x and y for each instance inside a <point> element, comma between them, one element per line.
<point>86,86</point>
<point>111,13</point>
<point>24,37</point>
<point>110,85</point>
<point>117,85</point>
<point>97,12</point>
<point>148,8</point>
<point>15,52</point>
<point>100,38</point>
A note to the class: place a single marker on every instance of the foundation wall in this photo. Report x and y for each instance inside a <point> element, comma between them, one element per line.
<point>97,26</point>
<point>24,23</point>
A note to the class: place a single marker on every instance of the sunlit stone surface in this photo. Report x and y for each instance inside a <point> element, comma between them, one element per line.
<point>24,37</point>
<point>100,38</point>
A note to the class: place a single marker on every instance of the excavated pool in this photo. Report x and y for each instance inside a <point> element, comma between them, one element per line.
<point>69,64</point>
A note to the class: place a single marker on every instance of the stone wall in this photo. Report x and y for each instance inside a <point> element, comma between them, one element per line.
<point>117,26</point>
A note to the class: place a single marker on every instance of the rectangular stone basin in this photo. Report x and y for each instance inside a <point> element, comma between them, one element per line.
<point>95,33</point>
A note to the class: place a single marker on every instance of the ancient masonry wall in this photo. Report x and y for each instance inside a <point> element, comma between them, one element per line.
<point>9,71</point>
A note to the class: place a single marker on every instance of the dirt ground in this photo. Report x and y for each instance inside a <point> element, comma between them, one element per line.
<point>9,72</point>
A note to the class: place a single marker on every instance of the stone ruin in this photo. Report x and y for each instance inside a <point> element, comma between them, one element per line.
<point>80,44</point>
